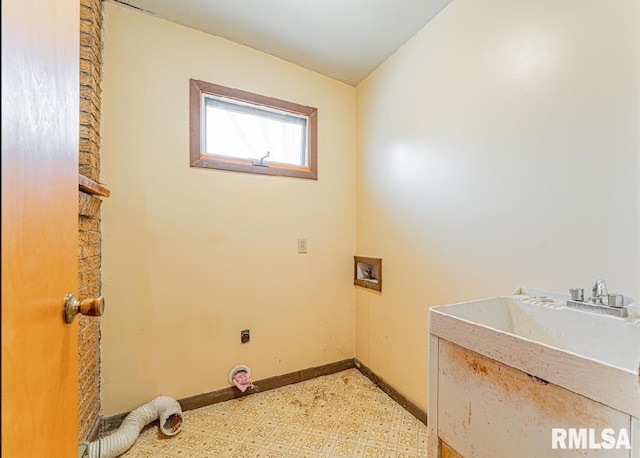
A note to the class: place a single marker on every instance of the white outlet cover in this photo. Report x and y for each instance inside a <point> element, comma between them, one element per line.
<point>302,245</point>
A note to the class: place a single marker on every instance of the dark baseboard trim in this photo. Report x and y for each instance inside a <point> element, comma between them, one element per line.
<point>95,430</point>
<point>392,392</point>
<point>112,423</point>
<point>226,394</point>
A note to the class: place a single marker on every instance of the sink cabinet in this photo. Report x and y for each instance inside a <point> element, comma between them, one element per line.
<point>488,409</point>
<point>507,375</point>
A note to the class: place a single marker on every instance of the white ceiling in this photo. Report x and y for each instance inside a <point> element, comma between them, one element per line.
<point>342,39</point>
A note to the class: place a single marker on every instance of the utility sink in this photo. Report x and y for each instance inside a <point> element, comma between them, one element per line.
<point>596,356</point>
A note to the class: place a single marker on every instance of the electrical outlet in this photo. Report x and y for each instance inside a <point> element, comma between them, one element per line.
<point>302,245</point>
<point>245,336</point>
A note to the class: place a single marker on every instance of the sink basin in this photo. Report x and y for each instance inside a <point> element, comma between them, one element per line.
<point>597,356</point>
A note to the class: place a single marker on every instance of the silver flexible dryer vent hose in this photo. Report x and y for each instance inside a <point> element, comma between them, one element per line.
<point>167,409</point>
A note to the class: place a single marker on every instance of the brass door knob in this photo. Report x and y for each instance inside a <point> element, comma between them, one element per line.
<point>93,306</point>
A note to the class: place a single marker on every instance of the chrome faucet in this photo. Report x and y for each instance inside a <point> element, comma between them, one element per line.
<point>599,293</point>
<point>600,301</point>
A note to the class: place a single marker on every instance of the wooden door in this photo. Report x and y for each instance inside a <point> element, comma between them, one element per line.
<point>40,103</point>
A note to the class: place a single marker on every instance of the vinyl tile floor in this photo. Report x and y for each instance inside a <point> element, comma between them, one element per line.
<point>338,415</point>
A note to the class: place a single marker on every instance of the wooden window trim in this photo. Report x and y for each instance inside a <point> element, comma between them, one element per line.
<point>198,159</point>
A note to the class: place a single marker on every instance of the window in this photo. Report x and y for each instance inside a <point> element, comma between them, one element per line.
<point>245,132</point>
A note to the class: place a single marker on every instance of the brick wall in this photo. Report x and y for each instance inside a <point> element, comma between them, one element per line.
<point>89,250</point>
<point>90,93</point>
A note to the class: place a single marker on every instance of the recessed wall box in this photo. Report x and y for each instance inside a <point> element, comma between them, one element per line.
<point>367,272</point>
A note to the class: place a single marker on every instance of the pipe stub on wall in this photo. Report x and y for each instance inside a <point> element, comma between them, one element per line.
<point>237,369</point>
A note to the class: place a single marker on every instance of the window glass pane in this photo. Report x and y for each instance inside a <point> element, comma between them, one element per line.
<point>248,132</point>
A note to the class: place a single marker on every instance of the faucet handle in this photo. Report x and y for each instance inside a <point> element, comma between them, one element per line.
<point>616,300</point>
<point>577,294</point>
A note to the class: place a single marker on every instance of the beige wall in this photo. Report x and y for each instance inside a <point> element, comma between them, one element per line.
<point>193,256</point>
<point>498,148</point>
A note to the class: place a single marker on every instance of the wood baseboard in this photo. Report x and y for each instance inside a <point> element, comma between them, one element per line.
<point>392,392</point>
<point>112,423</point>
<point>94,432</point>
<point>226,394</point>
